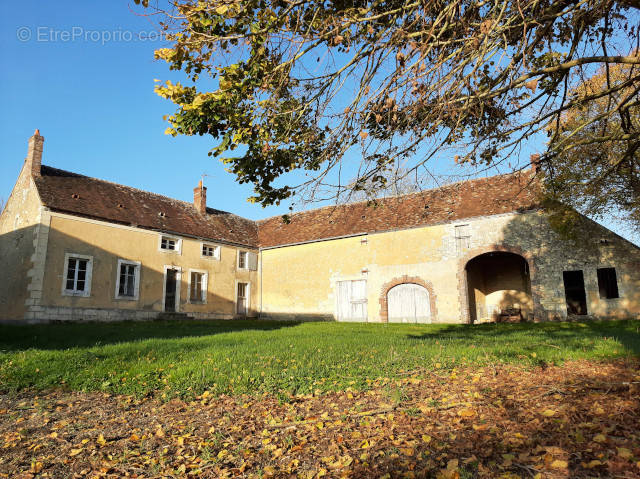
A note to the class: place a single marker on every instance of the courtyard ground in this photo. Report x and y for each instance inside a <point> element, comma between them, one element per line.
<point>261,399</point>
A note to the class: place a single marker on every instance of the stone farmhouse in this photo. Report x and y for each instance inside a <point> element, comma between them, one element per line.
<point>79,248</point>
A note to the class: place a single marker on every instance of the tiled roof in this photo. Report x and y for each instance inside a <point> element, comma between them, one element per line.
<point>81,195</point>
<point>466,199</point>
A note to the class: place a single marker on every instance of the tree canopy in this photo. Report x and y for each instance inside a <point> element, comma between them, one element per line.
<point>287,85</point>
<point>597,164</point>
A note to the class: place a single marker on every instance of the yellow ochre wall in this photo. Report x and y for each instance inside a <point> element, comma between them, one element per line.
<point>301,280</point>
<point>18,229</point>
<point>107,243</point>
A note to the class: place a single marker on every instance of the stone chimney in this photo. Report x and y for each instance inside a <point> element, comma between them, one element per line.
<point>200,198</point>
<point>535,162</point>
<point>34,154</point>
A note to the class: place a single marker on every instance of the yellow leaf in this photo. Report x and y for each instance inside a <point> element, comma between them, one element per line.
<point>364,445</point>
<point>36,467</point>
<point>134,437</point>
<point>426,438</point>
<point>223,453</point>
<point>594,463</point>
<point>548,412</point>
<point>599,438</point>
<point>180,441</point>
<point>222,9</point>
<point>53,435</point>
<point>558,464</point>
<point>75,452</point>
<point>624,453</point>
<point>466,413</point>
<point>407,451</point>
<point>101,440</point>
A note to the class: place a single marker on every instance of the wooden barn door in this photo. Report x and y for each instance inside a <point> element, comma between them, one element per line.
<point>352,300</point>
<point>409,303</point>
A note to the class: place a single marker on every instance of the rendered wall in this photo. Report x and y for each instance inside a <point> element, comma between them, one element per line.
<point>300,281</point>
<point>19,225</point>
<point>107,243</point>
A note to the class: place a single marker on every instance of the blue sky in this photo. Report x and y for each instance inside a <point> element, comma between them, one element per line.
<point>83,73</point>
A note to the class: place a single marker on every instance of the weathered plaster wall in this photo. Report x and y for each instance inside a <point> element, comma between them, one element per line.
<point>107,243</point>
<point>19,226</point>
<point>300,281</point>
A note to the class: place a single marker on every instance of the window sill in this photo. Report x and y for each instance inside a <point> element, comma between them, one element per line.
<point>76,294</point>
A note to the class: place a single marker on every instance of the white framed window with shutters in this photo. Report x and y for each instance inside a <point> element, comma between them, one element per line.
<point>247,260</point>
<point>210,251</point>
<point>78,270</point>
<point>198,280</point>
<point>128,280</point>
<point>170,244</point>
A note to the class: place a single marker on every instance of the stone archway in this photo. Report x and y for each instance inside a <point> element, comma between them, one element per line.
<point>463,283</point>
<point>384,305</point>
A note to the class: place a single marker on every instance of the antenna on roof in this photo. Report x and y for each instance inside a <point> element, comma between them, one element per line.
<point>204,175</point>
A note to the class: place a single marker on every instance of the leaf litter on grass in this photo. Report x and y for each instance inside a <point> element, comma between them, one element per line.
<point>581,419</point>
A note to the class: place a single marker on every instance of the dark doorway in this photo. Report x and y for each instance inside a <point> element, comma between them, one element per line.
<point>171,281</point>
<point>574,292</point>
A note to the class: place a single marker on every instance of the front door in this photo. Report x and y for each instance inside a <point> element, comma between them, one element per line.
<point>574,292</point>
<point>171,282</point>
<point>243,298</point>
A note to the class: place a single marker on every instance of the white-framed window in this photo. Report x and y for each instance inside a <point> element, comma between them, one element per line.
<point>210,251</point>
<point>247,260</point>
<point>198,280</point>
<point>127,279</point>
<point>243,262</point>
<point>243,291</point>
<point>78,269</point>
<point>170,244</point>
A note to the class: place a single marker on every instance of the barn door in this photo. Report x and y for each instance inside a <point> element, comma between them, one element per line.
<point>409,303</point>
<point>352,300</point>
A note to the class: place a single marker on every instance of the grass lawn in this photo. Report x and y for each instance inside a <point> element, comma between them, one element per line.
<point>169,359</point>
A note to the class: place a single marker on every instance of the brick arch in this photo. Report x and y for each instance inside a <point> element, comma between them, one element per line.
<point>384,306</point>
<point>495,248</point>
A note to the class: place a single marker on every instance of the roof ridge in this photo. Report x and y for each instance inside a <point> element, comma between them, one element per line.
<point>449,185</point>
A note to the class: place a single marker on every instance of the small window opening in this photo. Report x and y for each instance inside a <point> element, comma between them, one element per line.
<point>168,243</point>
<point>75,196</point>
<point>608,283</point>
<point>210,251</point>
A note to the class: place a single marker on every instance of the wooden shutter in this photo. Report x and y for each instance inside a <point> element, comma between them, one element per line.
<point>252,259</point>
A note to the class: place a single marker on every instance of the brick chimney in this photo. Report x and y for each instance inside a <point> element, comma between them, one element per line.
<point>535,162</point>
<point>34,154</point>
<point>200,198</point>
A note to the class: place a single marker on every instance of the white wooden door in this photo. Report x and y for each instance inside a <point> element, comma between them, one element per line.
<point>409,303</point>
<point>352,300</point>
<point>243,298</point>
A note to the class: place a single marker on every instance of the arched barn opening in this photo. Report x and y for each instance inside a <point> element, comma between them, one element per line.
<point>409,303</point>
<point>498,287</point>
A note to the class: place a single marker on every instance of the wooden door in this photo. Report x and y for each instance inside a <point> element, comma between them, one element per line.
<point>171,282</point>
<point>409,303</point>
<point>243,298</point>
<point>352,300</point>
